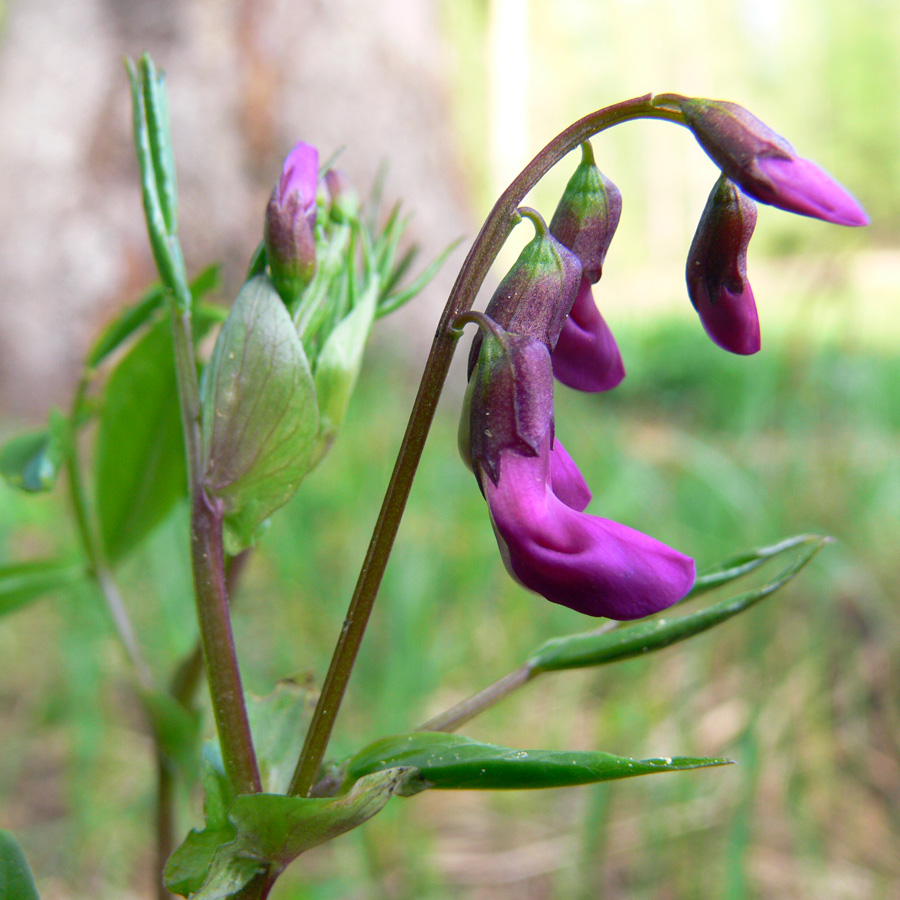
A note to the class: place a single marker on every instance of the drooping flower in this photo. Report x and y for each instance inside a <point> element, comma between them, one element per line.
<point>538,291</point>
<point>536,495</point>
<point>586,357</point>
<point>764,165</point>
<point>290,218</point>
<point>717,270</point>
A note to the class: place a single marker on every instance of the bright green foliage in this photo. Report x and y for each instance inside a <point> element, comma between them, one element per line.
<point>16,881</point>
<point>259,415</point>
<point>451,762</point>
<point>597,648</point>
<point>31,462</point>
<point>271,830</point>
<point>139,464</point>
<point>133,317</point>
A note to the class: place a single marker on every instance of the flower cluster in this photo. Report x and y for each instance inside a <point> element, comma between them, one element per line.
<point>542,321</point>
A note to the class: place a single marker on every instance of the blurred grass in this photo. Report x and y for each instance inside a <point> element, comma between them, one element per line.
<point>707,452</point>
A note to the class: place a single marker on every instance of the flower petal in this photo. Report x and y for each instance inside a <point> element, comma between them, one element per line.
<point>592,565</point>
<point>798,185</point>
<point>300,175</point>
<point>566,479</point>
<point>586,356</point>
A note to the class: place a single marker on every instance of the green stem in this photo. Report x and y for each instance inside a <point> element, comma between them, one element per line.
<point>472,706</point>
<point>223,674</point>
<point>493,234</point>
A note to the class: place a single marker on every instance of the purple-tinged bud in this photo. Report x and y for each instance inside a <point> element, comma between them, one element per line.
<point>344,202</point>
<point>586,356</point>
<point>587,215</point>
<point>508,418</point>
<point>290,217</point>
<point>765,166</point>
<point>536,495</point>
<point>538,291</point>
<point>717,270</point>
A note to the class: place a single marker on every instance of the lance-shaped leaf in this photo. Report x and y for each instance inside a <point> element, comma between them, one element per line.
<point>271,830</point>
<point>31,462</point>
<point>450,762</point>
<point>743,563</point>
<point>20,583</point>
<point>138,314</point>
<point>150,113</point>
<point>139,464</point>
<point>598,648</point>
<point>16,880</point>
<point>259,415</point>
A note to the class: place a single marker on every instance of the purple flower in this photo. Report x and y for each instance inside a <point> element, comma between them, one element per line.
<point>536,495</point>
<point>765,166</point>
<point>717,270</point>
<point>587,215</point>
<point>290,217</point>
<point>586,356</point>
<point>537,293</point>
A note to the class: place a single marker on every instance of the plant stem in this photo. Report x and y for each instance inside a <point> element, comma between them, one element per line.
<point>467,709</point>
<point>223,674</point>
<point>493,234</point>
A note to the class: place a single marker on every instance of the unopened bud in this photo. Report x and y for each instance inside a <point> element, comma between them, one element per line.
<point>290,217</point>
<point>587,215</point>
<point>717,270</point>
<point>764,165</point>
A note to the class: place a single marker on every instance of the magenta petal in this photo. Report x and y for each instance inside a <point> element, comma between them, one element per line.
<point>730,319</point>
<point>798,185</point>
<point>300,175</point>
<point>592,565</point>
<point>586,356</point>
<point>566,479</point>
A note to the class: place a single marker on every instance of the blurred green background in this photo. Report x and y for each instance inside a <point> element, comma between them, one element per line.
<point>707,452</point>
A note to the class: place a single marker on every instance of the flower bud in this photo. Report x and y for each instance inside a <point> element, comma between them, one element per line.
<point>765,166</point>
<point>290,217</point>
<point>587,215</point>
<point>538,291</point>
<point>344,203</point>
<point>717,270</point>
<point>509,417</point>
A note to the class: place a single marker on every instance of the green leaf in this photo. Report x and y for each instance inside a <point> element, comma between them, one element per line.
<point>16,880</point>
<point>126,324</point>
<point>451,762</point>
<point>150,117</point>
<point>271,830</point>
<point>743,563</point>
<point>133,317</point>
<point>598,648</point>
<point>140,462</point>
<point>278,722</point>
<point>21,583</point>
<point>31,462</point>
<point>259,414</point>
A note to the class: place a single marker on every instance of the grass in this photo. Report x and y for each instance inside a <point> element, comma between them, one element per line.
<point>707,452</point>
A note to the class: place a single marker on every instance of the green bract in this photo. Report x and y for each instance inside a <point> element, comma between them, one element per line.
<point>259,413</point>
